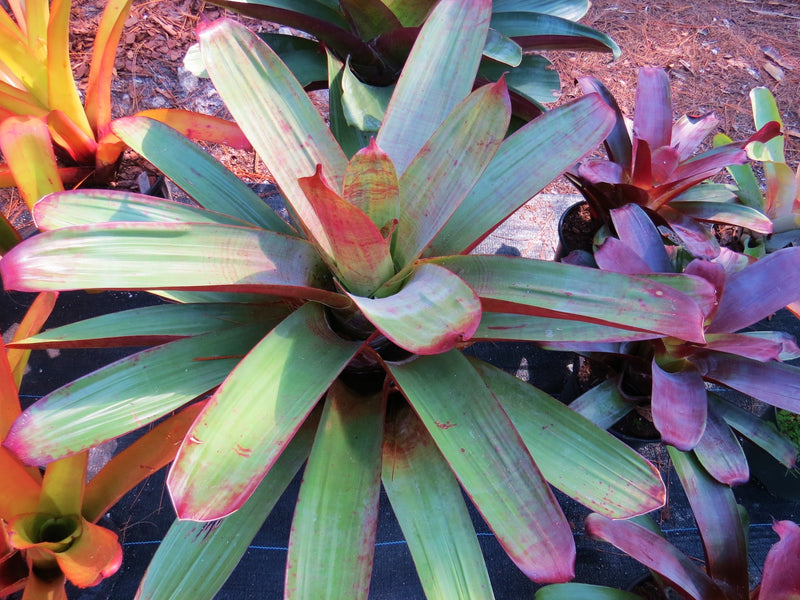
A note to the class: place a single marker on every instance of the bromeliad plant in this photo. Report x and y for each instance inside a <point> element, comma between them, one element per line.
<point>43,120</point>
<point>653,165</point>
<point>723,529</point>
<point>356,310</point>
<point>48,530</point>
<point>375,37</point>
<point>669,374</point>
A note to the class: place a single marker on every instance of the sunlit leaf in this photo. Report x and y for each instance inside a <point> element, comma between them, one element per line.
<point>584,591</point>
<point>127,394</point>
<point>542,288</point>
<point>194,559</point>
<point>370,184</point>
<point>503,326</point>
<point>336,516</point>
<point>438,74</point>
<point>488,457</point>
<point>603,405</point>
<point>575,456</point>
<point>202,177</point>
<point>433,312</point>
<point>430,508</point>
<point>254,413</point>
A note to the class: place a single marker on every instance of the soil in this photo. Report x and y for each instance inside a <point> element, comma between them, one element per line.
<point>715,52</point>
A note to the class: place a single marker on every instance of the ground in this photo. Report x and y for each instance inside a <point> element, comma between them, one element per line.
<point>715,52</point>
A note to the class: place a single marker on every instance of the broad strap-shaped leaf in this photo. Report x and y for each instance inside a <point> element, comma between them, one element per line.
<point>504,326</point>
<point>154,325</point>
<point>679,404</point>
<point>720,452</point>
<point>774,383</point>
<point>438,74</point>
<point>781,578</point>
<point>430,507</point>
<point>656,553</point>
<point>363,105</point>
<point>196,256</point>
<point>759,431</point>
<point>745,300</point>
<point>20,492</point>
<point>577,457</point>
<point>732,214</point>
<point>639,233</point>
<point>584,591</point>
<point>195,559</point>
<point>698,239</point>
<point>616,256</point>
<point>490,460</point>
<point>749,346</point>
<point>127,394</point>
<point>84,207</point>
<point>447,167</point>
<point>193,170</point>
<point>370,18</point>
<point>254,414</point>
<point>350,138</point>
<point>350,243</point>
<point>25,141</point>
<point>63,485</point>
<point>81,147</point>
<point>603,405</point>
<point>553,141</point>
<point>541,288</point>
<point>126,469</point>
<point>101,66</point>
<point>502,49</point>
<point>765,110</point>
<point>652,121</point>
<point>618,143</point>
<point>688,132</point>
<point>370,184</point>
<point>718,519</point>
<point>540,31</point>
<point>336,518</point>
<point>200,127</point>
<point>534,79</point>
<point>433,312</point>
<point>274,112</point>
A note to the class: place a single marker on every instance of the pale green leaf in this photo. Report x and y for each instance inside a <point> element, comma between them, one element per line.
<point>447,167</point>
<point>582,591</point>
<point>567,9</point>
<point>274,112</point>
<point>487,455</point>
<point>350,138</point>
<point>732,214</point>
<point>336,517</point>
<point>430,508</point>
<point>364,105</point>
<point>542,288</point>
<point>504,326</point>
<point>195,559</point>
<point>603,405</point>
<point>167,256</point>
<point>535,78</point>
<point>502,49</point>
<point>576,456</point>
<point>765,109</point>
<point>128,394</point>
<point>433,312</point>
<point>254,413</point>
<point>438,74</point>
<point>524,164</point>
<point>196,172</point>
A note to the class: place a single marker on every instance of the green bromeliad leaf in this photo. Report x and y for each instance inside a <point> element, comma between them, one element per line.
<point>83,207</point>
<point>153,325</point>
<point>254,413</point>
<point>490,460</point>
<point>274,112</point>
<point>194,560</point>
<point>439,73</point>
<point>128,394</point>
<point>582,460</point>
<point>432,313</point>
<point>584,591</point>
<point>176,256</point>
<point>518,285</point>
<point>430,508</point>
<point>336,517</point>
<point>370,184</point>
<point>193,170</point>
<point>503,326</point>
<point>447,167</point>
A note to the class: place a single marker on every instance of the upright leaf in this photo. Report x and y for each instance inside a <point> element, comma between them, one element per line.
<point>370,184</point>
<point>430,508</point>
<point>274,112</point>
<point>438,74</point>
<point>652,121</point>
<point>254,413</point>
<point>336,517</point>
<point>491,462</point>
<point>679,405</point>
<point>779,582</point>
<point>447,167</point>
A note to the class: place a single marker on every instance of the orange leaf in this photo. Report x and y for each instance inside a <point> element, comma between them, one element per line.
<point>197,126</point>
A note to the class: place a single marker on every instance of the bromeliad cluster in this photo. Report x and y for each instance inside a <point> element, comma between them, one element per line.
<point>336,337</point>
